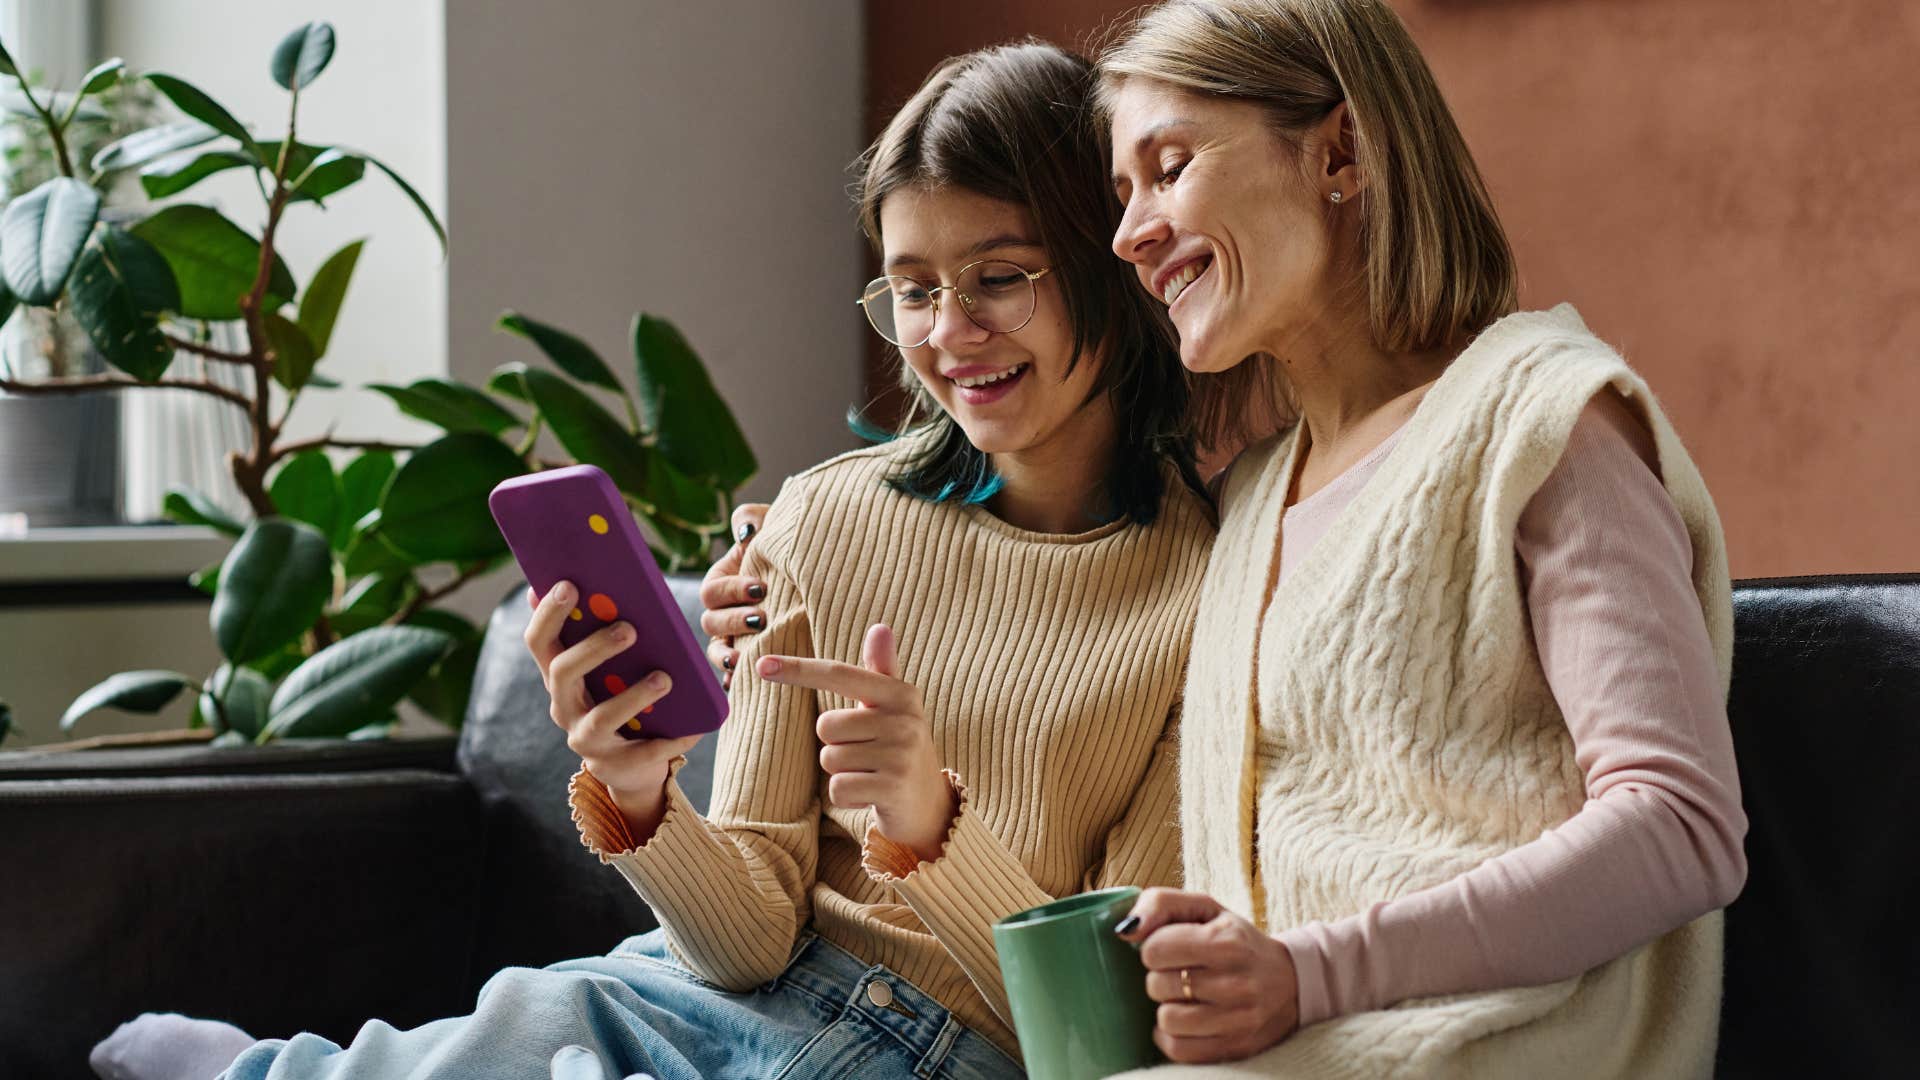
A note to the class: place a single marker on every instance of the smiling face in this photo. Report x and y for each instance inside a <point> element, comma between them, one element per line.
<point>1225,221</point>
<point>1009,392</point>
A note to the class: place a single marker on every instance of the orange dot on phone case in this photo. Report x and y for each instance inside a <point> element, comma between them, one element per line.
<point>648,709</point>
<point>597,524</point>
<point>615,684</point>
<point>602,607</point>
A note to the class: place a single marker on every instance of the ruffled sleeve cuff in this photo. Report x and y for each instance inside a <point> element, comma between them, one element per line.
<point>603,828</point>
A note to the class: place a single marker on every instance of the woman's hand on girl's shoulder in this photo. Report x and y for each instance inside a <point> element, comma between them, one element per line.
<point>1227,990</point>
<point>729,596</point>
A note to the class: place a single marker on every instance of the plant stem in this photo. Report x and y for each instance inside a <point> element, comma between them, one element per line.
<point>77,384</point>
<point>208,351</point>
<point>427,596</point>
<point>533,436</point>
<point>250,470</point>
<point>53,126</point>
<point>289,449</point>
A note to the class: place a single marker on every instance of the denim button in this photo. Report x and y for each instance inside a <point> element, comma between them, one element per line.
<point>880,993</point>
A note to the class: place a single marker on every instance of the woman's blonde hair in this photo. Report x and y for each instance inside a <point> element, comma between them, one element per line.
<point>1437,264</point>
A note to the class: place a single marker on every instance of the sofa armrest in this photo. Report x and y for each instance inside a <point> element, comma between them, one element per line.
<point>281,903</point>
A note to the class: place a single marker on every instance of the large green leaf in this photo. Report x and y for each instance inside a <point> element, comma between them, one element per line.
<point>373,600</point>
<point>152,144</point>
<point>191,100</point>
<point>214,261</point>
<point>245,693</point>
<point>418,202</point>
<point>305,489</point>
<point>443,694</point>
<point>509,381</point>
<point>568,353</point>
<point>104,75</point>
<point>189,507</point>
<point>42,234</point>
<point>302,55</point>
<point>690,422</point>
<point>436,507</point>
<point>207,578</point>
<point>118,290</point>
<point>175,174</point>
<point>450,405</point>
<point>315,172</point>
<point>320,304</point>
<point>293,354</point>
<point>589,432</point>
<point>361,484</point>
<point>349,683</point>
<point>276,582</point>
<point>688,503</point>
<point>134,691</point>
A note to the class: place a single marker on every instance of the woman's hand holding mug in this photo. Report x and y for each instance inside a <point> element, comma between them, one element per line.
<point>1227,990</point>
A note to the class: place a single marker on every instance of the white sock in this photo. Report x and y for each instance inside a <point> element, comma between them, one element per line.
<point>168,1046</point>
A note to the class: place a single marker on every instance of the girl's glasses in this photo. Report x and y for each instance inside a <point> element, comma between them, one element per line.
<point>996,295</point>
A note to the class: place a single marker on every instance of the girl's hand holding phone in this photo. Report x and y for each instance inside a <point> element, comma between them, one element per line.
<point>879,754</point>
<point>634,770</point>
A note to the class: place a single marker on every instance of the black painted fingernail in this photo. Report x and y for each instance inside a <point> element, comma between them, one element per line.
<point>756,592</point>
<point>1127,925</point>
<point>730,661</point>
<point>756,622</point>
<point>745,533</point>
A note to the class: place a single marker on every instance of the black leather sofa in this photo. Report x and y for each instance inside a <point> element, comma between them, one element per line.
<point>316,886</point>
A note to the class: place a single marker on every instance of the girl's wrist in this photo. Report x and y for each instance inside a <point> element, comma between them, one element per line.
<point>643,802</point>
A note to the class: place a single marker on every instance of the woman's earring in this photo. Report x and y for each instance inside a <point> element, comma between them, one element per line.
<point>1333,197</point>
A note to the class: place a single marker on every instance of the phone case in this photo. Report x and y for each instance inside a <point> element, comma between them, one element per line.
<point>571,524</point>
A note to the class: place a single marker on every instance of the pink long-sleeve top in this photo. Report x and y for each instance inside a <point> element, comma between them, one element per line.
<point>1606,566</point>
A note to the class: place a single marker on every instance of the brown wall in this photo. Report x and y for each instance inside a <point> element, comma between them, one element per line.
<point>1729,190</point>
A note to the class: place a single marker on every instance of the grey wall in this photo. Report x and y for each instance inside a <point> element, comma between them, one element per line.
<point>685,159</point>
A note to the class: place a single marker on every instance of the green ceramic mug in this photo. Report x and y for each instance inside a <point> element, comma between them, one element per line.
<point>1079,994</point>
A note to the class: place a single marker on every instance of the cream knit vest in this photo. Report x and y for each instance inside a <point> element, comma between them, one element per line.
<point>1387,725</point>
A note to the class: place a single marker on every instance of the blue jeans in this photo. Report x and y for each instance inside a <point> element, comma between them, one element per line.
<point>638,1011</point>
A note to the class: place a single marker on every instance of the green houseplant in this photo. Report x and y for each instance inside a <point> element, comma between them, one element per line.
<point>320,608</point>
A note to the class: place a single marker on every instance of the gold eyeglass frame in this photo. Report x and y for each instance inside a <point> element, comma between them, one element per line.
<point>966,302</point>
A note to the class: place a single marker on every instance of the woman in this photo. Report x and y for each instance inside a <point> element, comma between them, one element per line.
<point>981,624</point>
<point>1457,789</point>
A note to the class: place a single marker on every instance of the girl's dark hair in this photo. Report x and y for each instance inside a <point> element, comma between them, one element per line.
<point>1013,123</point>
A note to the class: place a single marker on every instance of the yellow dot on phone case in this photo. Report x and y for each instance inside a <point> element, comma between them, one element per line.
<point>634,724</point>
<point>576,615</point>
<point>597,524</point>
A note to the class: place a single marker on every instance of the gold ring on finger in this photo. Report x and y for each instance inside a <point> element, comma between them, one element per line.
<point>1186,984</point>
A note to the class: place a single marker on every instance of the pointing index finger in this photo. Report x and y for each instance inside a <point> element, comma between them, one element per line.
<point>869,688</point>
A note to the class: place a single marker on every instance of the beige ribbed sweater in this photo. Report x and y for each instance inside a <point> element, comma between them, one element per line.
<point>1384,724</point>
<point>1051,669</point>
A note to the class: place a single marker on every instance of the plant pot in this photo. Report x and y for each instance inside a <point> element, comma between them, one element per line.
<point>60,458</point>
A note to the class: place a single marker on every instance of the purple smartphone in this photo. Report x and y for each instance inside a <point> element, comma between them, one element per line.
<point>571,524</point>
